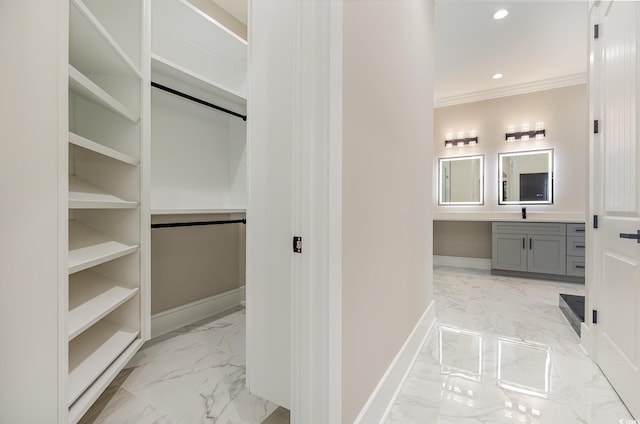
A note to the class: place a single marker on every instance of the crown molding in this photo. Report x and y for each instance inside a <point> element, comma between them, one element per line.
<point>512,90</point>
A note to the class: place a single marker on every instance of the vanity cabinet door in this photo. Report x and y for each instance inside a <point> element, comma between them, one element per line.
<point>546,254</point>
<point>509,252</point>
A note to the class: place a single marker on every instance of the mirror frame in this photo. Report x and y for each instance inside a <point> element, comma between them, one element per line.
<point>549,180</point>
<point>457,158</point>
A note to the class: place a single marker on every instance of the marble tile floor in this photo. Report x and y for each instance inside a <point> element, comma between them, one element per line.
<point>501,351</point>
<point>194,375</point>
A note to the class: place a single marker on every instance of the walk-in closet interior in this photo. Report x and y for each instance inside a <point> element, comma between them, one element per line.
<point>151,105</point>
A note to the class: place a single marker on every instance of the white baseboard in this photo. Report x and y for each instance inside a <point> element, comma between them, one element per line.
<point>586,340</point>
<point>164,322</point>
<point>460,262</point>
<point>384,395</point>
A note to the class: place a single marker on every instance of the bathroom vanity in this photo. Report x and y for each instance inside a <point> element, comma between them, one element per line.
<point>539,249</point>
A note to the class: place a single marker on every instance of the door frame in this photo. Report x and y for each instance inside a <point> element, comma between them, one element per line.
<point>587,336</point>
<point>317,273</point>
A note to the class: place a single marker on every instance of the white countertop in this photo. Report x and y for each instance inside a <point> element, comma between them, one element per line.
<point>510,216</point>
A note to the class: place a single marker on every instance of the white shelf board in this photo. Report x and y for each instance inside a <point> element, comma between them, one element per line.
<point>88,247</point>
<point>82,85</point>
<point>92,48</point>
<point>84,402</point>
<point>93,351</point>
<point>91,298</point>
<point>195,211</point>
<point>83,195</point>
<point>175,72</point>
<point>85,143</point>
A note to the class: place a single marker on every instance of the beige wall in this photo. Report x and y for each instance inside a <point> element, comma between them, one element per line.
<point>387,241</point>
<point>192,263</point>
<point>564,112</point>
<point>222,16</point>
<point>462,238</point>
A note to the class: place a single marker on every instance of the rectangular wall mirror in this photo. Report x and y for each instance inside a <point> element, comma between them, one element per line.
<point>461,180</point>
<point>525,177</point>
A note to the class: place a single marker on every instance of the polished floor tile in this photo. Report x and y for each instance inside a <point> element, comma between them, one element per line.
<point>195,375</point>
<point>502,352</point>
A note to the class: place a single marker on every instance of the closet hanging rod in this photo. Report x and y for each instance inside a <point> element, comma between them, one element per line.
<point>198,223</point>
<point>197,100</point>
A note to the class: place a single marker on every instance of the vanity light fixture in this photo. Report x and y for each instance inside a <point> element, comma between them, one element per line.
<point>461,141</point>
<point>525,132</point>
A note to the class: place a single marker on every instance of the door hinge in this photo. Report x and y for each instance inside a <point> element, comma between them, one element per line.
<point>297,244</point>
<point>594,316</point>
<point>595,221</point>
<point>596,127</point>
<point>596,31</point>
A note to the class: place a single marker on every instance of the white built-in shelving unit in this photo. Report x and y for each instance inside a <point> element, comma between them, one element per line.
<point>108,213</point>
<point>198,159</point>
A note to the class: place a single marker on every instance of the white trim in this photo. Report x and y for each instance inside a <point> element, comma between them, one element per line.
<point>178,317</point>
<point>316,378</point>
<point>461,262</point>
<point>587,340</point>
<point>381,401</point>
<point>512,90</point>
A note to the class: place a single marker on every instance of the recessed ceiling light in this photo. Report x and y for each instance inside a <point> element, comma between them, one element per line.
<point>497,76</point>
<point>500,14</point>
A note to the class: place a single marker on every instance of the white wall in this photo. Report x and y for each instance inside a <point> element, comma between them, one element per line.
<point>33,171</point>
<point>564,113</point>
<point>387,176</point>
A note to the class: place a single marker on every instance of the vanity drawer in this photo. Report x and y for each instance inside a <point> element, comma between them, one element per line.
<point>575,266</point>
<point>575,246</point>
<point>575,230</point>
<point>537,228</point>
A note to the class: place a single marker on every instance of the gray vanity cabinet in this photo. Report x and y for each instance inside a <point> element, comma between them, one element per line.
<point>529,247</point>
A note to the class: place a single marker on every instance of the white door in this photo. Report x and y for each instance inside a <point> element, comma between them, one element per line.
<point>615,192</point>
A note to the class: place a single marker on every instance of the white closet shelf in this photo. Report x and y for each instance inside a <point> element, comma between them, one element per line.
<point>92,48</point>
<point>88,247</point>
<point>93,351</point>
<point>82,85</point>
<point>90,395</point>
<point>177,211</point>
<point>83,195</point>
<point>85,143</point>
<point>173,72</point>
<point>91,298</point>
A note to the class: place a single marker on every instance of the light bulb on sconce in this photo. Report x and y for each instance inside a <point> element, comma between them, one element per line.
<point>472,134</point>
<point>510,130</point>
<point>525,128</point>
<point>540,127</point>
<point>447,140</point>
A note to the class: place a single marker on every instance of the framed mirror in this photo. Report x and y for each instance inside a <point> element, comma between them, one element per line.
<point>525,178</point>
<point>461,180</point>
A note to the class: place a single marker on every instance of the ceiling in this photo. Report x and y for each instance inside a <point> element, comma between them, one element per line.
<point>538,41</point>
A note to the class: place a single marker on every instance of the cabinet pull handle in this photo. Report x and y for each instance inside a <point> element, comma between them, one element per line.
<point>579,246</point>
<point>530,244</point>
<point>580,266</point>
<point>579,230</point>
<point>523,246</point>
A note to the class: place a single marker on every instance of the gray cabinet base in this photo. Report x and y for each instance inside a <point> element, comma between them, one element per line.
<point>539,276</point>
